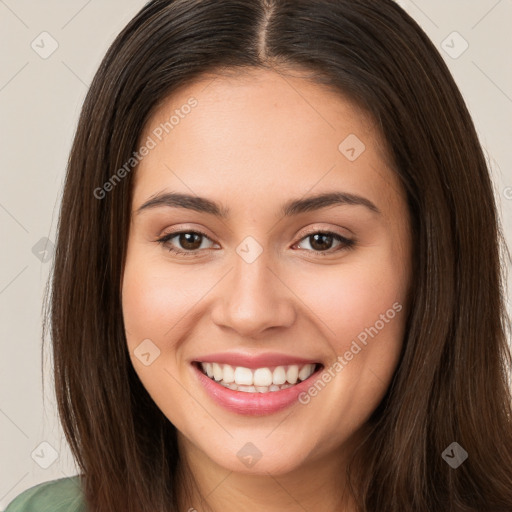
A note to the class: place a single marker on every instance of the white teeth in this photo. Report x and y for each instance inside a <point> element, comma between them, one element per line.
<point>218,374</point>
<point>306,371</point>
<point>262,377</point>
<point>247,389</point>
<point>279,375</point>
<point>229,374</point>
<point>243,376</point>
<point>253,389</point>
<point>292,374</point>
<point>260,380</point>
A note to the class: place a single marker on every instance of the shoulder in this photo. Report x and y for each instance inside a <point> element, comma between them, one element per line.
<point>61,495</point>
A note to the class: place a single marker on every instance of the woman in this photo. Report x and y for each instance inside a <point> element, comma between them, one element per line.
<point>277,278</point>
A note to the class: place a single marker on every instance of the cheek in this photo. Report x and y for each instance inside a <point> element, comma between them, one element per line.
<point>156,304</point>
<point>155,299</point>
<point>348,299</point>
<point>361,311</point>
<point>360,308</point>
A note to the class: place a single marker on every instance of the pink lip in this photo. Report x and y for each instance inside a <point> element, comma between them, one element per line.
<point>253,404</point>
<point>254,361</point>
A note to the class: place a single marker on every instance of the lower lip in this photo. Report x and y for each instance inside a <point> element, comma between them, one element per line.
<point>253,404</point>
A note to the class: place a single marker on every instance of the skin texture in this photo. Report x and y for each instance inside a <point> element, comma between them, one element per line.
<point>253,142</point>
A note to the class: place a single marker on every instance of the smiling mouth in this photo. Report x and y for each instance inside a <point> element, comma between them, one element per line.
<point>258,380</point>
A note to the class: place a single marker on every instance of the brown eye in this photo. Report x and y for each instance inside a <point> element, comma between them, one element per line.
<point>187,243</point>
<point>322,241</point>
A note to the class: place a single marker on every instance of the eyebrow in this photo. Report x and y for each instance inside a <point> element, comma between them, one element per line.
<point>290,208</point>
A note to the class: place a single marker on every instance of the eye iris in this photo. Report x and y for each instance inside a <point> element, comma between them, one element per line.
<point>321,246</point>
<point>187,241</point>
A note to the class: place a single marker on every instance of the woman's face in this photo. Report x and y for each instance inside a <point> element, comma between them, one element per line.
<point>280,284</point>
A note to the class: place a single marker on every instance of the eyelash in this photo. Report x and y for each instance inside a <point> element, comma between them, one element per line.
<point>347,243</point>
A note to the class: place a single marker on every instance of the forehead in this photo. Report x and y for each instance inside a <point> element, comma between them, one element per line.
<point>262,135</point>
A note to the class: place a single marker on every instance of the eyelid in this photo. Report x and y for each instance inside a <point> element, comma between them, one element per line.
<point>317,229</point>
<point>184,229</point>
<point>309,231</point>
<point>168,236</point>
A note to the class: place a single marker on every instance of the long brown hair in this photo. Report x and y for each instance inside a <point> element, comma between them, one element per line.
<point>451,383</point>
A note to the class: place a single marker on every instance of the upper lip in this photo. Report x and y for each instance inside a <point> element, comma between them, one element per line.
<point>254,361</point>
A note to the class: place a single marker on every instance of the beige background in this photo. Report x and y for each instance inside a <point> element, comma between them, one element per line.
<point>40,99</point>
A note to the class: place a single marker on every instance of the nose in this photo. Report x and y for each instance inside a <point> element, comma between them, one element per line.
<point>253,299</point>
